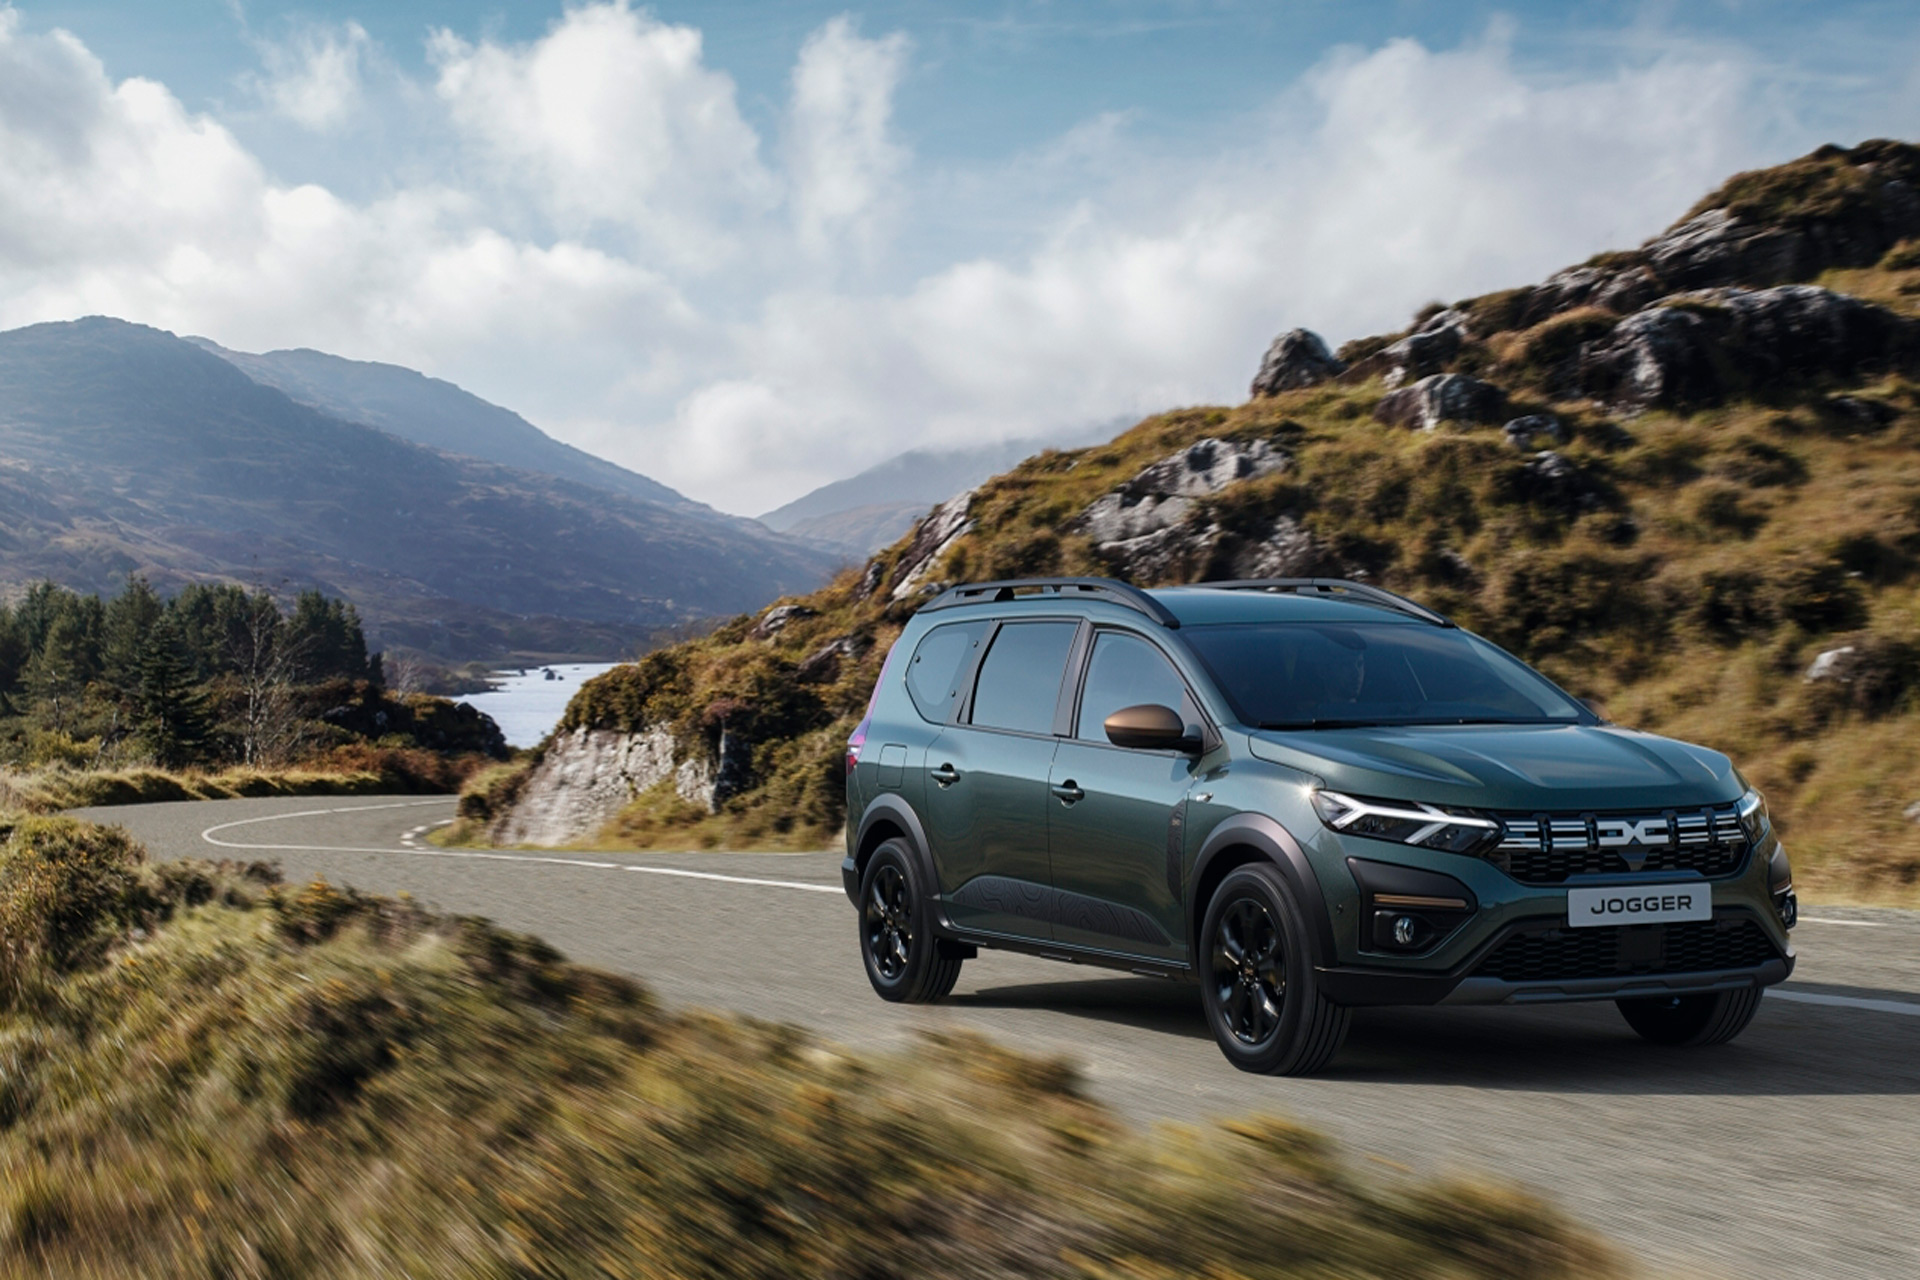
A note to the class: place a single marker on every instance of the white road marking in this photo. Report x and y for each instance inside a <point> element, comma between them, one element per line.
<point>1911,1010</point>
<point>477,855</point>
<point>1857,924</point>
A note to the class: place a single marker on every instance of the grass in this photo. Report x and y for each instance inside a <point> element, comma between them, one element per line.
<point>352,770</point>
<point>205,1072</point>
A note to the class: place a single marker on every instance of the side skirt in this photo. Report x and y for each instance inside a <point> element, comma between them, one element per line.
<point>1145,967</point>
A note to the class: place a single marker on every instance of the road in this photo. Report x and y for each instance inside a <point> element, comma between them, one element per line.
<point>1793,1151</point>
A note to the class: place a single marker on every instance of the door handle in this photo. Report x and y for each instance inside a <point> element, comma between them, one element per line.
<point>946,775</point>
<point>1068,792</point>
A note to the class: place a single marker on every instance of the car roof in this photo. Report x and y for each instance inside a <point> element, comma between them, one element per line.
<point>1190,606</point>
<point>1200,606</point>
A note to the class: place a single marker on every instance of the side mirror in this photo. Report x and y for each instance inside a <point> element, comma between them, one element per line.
<point>1149,727</point>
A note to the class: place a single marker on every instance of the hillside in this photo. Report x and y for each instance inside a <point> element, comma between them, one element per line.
<point>1683,479</point>
<point>124,449</point>
<point>437,414</point>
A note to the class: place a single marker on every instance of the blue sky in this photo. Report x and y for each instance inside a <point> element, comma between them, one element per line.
<point>750,247</point>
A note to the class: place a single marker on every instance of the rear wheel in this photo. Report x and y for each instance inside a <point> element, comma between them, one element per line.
<point>1713,1017</point>
<point>1257,983</point>
<point>904,960</point>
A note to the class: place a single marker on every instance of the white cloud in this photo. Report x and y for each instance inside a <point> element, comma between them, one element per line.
<point>612,119</point>
<point>314,78</point>
<point>608,251</point>
<point>841,155</point>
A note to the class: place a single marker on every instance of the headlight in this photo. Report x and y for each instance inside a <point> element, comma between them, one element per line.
<point>1754,818</point>
<point>1405,822</point>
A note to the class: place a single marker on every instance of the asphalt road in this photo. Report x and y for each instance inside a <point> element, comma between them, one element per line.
<point>1794,1151</point>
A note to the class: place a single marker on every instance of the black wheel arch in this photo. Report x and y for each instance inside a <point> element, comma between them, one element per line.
<point>1255,837</point>
<point>890,817</point>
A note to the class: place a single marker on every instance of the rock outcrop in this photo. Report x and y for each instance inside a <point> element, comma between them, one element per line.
<point>945,525</point>
<point>1425,351</point>
<point>587,776</point>
<point>1837,207</point>
<point>1442,397</point>
<point>1695,348</point>
<point>1150,530</point>
<point>1298,358</point>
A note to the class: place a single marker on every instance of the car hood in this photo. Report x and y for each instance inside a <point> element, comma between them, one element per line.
<point>1513,767</point>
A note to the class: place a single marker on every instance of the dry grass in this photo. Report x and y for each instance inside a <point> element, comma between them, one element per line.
<point>204,1073</point>
<point>353,770</point>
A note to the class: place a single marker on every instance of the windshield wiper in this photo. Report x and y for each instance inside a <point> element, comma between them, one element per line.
<point>1320,723</point>
<point>1323,724</point>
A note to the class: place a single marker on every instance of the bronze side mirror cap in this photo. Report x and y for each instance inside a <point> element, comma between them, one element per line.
<point>1149,727</point>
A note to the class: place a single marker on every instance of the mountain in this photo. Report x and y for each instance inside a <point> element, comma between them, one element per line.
<point>125,449</point>
<point>1683,479</point>
<point>437,414</point>
<point>864,513</point>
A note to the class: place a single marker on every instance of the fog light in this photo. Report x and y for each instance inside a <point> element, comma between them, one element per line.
<point>1790,910</point>
<point>1404,930</point>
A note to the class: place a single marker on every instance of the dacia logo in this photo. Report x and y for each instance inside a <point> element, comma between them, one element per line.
<point>1625,834</point>
<point>1618,832</point>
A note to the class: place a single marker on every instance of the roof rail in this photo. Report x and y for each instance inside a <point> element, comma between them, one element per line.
<point>1111,589</point>
<point>1358,592</point>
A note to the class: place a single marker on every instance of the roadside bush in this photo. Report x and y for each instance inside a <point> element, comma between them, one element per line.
<point>368,1090</point>
<point>67,890</point>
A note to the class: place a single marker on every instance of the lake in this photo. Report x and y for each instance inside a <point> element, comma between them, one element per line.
<point>526,707</point>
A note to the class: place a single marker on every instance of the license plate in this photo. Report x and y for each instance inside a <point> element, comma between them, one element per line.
<point>1639,904</point>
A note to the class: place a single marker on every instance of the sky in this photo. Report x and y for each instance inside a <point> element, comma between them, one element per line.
<point>748,248</point>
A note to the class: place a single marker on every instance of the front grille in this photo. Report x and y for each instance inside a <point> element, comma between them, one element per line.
<point>1564,955</point>
<point>1545,849</point>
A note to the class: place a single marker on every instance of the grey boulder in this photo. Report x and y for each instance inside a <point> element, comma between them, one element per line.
<point>1298,358</point>
<point>1442,397</point>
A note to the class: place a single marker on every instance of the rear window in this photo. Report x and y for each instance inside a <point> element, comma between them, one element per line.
<point>1306,675</point>
<point>1020,680</point>
<point>933,677</point>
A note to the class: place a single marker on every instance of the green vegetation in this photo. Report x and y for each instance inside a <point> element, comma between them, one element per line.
<point>204,1072</point>
<point>1684,571</point>
<point>216,692</point>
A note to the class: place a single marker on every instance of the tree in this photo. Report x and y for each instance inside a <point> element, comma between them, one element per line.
<point>130,618</point>
<point>172,710</point>
<point>56,675</point>
<point>330,640</point>
<point>266,656</point>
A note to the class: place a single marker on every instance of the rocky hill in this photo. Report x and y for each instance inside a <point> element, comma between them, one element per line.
<point>1683,479</point>
<point>125,449</point>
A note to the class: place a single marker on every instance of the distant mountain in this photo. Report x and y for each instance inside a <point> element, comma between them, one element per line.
<point>863,513</point>
<point>124,448</point>
<point>437,414</point>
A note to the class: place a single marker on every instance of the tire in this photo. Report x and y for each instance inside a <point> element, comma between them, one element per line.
<point>1257,984</point>
<point>903,958</point>
<point>1713,1017</point>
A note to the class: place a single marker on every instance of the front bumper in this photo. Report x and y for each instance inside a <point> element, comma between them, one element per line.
<point>1468,983</point>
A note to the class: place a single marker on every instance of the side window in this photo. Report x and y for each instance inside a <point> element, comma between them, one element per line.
<point>1125,671</point>
<point>933,677</point>
<point>1020,679</point>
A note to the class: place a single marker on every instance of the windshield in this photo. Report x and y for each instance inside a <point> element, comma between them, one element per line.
<point>1323,675</point>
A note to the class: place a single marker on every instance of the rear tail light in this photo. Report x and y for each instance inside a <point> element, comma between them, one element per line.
<point>859,736</point>
<point>857,741</point>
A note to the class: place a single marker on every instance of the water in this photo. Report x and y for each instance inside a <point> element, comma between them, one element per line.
<point>526,707</point>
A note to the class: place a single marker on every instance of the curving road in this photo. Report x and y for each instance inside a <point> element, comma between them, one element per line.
<point>1793,1151</point>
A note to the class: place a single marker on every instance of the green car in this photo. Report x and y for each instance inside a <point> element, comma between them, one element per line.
<point>1306,795</point>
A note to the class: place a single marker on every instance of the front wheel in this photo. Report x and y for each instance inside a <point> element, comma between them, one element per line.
<point>1713,1017</point>
<point>904,960</point>
<point>1262,999</point>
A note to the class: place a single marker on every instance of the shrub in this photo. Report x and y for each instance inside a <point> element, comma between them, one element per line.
<point>67,890</point>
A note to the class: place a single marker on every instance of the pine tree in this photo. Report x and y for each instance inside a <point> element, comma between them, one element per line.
<point>173,715</point>
<point>130,619</point>
<point>55,678</point>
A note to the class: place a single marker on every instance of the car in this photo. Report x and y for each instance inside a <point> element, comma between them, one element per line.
<point>1307,796</point>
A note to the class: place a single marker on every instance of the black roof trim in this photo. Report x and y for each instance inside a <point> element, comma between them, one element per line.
<point>1110,589</point>
<point>1358,592</point>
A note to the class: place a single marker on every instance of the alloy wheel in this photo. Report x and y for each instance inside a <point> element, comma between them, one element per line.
<point>1249,971</point>
<point>889,923</point>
